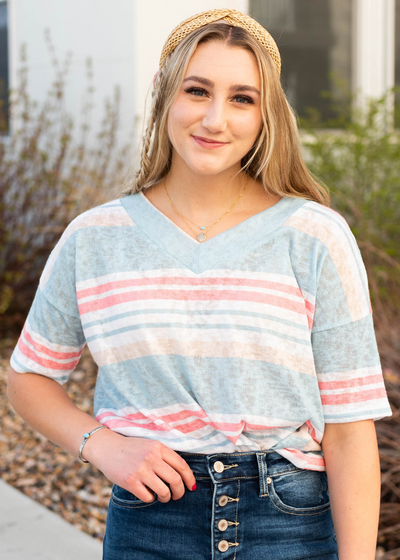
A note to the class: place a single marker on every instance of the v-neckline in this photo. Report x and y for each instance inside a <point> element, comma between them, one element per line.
<point>197,256</point>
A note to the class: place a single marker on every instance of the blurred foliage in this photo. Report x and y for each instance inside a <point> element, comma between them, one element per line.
<point>47,178</point>
<point>360,163</point>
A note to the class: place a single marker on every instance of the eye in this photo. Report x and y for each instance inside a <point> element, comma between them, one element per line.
<point>243,99</point>
<point>199,92</point>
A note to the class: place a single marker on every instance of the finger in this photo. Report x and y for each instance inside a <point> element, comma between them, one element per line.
<point>141,491</point>
<point>170,476</point>
<point>158,486</point>
<point>180,465</point>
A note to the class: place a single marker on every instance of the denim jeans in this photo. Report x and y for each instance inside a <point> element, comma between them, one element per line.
<point>247,506</point>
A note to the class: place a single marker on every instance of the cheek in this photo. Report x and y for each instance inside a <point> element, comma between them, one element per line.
<point>181,116</point>
<point>248,129</point>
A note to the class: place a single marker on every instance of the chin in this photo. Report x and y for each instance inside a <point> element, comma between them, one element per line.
<point>209,168</point>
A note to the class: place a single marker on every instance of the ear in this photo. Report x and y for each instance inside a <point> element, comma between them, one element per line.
<point>155,78</point>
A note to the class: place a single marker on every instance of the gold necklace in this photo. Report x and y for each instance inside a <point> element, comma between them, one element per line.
<point>202,235</point>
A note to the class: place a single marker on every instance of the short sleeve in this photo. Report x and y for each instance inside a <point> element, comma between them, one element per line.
<point>52,339</point>
<point>343,339</point>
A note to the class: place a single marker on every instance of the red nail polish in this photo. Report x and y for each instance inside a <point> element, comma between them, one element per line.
<point>194,486</point>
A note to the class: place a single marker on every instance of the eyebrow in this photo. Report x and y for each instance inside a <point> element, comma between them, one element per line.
<point>209,83</point>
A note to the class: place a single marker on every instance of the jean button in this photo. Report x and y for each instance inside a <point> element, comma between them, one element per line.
<point>222,525</point>
<point>223,546</point>
<point>222,500</point>
<point>218,467</point>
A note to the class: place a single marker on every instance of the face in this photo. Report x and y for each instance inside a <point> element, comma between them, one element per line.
<point>217,115</point>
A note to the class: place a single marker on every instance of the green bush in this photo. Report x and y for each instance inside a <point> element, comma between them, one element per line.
<point>46,179</point>
<point>360,163</point>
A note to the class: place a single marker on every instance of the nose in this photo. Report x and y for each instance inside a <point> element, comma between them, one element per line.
<point>215,117</point>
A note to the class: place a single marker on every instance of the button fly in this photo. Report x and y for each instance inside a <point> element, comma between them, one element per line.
<point>223,546</point>
<point>218,467</point>
<point>222,500</point>
<point>222,525</point>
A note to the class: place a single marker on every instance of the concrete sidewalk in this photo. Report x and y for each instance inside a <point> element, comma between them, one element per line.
<point>29,531</point>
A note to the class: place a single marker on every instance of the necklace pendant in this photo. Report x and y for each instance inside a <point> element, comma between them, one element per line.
<point>201,237</point>
<point>202,227</point>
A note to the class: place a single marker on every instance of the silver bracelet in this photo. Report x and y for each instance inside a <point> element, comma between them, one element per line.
<point>85,438</point>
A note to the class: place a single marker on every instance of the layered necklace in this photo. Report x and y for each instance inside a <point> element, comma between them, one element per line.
<point>203,229</point>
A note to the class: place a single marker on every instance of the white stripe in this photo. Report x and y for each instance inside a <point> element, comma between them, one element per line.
<point>50,345</point>
<point>223,319</point>
<point>356,389</point>
<point>225,305</point>
<point>349,374</point>
<point>181,336</point>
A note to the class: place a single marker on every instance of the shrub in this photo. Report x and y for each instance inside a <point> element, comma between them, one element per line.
<point>47,178</point>
<point>361,165</point>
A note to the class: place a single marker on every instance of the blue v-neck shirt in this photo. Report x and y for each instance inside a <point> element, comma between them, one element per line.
<point>252,340</point>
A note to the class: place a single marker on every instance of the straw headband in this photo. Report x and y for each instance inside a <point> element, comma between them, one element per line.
<point>232,17</point>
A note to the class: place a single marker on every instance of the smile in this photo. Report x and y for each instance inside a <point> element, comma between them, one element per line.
<point>208,144</point>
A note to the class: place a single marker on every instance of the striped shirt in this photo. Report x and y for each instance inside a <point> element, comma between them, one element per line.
<point>252,340</point>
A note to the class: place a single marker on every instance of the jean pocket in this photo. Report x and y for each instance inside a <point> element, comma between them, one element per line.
<point>301,492</point>
<point>124,499</point>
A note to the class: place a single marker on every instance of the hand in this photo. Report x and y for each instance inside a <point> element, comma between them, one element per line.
<point>140,465</point>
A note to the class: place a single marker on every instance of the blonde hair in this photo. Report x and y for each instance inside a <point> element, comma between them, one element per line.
<point>275,158</point>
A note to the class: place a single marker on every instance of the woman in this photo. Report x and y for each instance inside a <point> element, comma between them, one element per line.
<point>227,308</point>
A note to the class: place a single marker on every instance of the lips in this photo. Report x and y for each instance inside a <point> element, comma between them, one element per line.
<point>207,143</point>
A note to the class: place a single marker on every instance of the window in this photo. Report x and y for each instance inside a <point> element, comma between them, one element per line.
<point>3,68</point>
<point>314,39</point>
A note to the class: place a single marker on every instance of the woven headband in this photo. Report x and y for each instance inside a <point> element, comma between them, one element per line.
<point>232,17</point>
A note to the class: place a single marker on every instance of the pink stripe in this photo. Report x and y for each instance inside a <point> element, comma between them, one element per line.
<point>309,459</point>
<point>355,382</point>
<point>360,396</point>
<point>177,280</point>
<point>181,415</point>
<point>26,351</point>
<point>189,426</point>
<point>52,353</point>
<point>311,430</point>
<point>122,423</point>
<point>190,296</point>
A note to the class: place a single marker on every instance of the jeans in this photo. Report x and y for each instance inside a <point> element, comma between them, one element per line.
<point>247,506</point>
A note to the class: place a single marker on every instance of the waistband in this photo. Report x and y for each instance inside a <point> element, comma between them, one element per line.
<point>222,467</point>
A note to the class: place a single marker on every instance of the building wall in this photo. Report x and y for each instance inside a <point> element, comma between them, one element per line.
<point>123,38</point>
<point>86,28</point>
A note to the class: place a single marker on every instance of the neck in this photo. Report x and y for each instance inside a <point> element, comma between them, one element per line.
<point>206,195</point>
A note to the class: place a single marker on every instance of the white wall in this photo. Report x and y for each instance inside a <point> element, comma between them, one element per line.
<point>374,26</point>
<point>123,38</point>
<point>99,29</point>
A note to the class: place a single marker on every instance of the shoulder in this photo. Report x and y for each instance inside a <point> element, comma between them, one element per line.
<point>324,224</point>
<point>109,215</point>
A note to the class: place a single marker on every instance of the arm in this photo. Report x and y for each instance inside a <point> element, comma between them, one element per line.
<point>132,463</point>
<point>352,465</point>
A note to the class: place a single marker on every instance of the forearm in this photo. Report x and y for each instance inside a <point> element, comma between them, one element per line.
<point>139,465</point>
<point>45,406</point>
<point>352,464</point>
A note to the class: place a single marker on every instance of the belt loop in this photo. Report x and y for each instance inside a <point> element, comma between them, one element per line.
<point>262,471</point>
